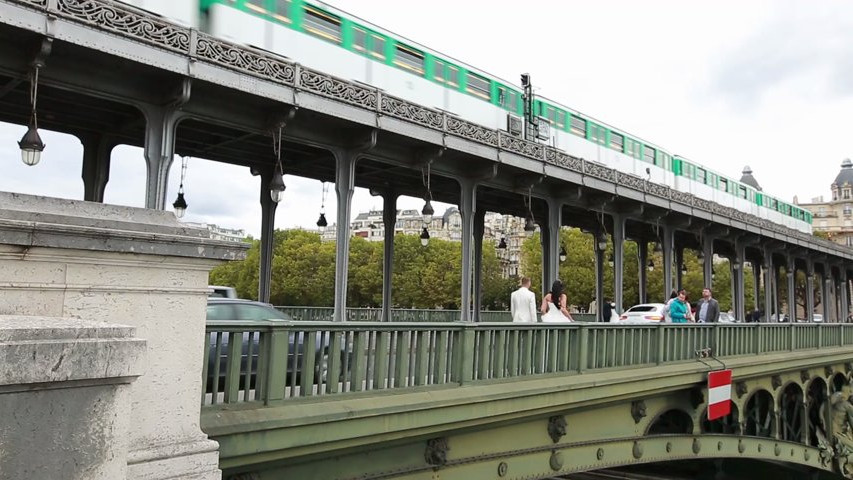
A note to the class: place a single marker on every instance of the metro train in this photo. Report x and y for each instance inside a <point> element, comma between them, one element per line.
<point>327,39</point>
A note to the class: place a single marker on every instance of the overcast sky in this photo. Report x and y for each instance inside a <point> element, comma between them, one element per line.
<point>726,84</point>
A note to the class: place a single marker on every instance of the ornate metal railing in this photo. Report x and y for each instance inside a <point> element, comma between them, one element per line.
<point>140,26</point>
<point>277,361</point>
<point>323,314</point>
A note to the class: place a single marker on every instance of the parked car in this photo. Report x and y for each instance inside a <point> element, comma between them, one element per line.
<point>817,318</point>
<point>643,313</point>
<point>218,291</point>
<point>237,310</point>
<point>726,317</point>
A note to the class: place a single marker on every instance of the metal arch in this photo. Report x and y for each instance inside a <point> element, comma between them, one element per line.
<point>792,411</point>
<point>569,458</point>
<point>730,424</point>
<point>663,419</point>
<point>762,415</point>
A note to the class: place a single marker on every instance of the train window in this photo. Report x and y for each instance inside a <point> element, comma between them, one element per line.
<point>649,154</point>
<point>742,191</point>
<point>282,10</point>
<point>257,5</point>
<point>701,175</point>
<point>438,71</point>
<point>359,39</point>
<point>616,141</point>
<point>561,119</point>
<point>409,59</point>
<point>578,126</point>
<point>724,185</point>
<point>322,24</point>
<point>478,85</point>
<point>377,49</point>
<point>507,98</point>
<point>452,76</point>
<point>597,133</point>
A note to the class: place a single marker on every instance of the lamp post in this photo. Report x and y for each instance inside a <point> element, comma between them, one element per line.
<point>31,145</point>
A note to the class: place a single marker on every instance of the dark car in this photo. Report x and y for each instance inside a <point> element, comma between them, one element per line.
<point>237,310</point>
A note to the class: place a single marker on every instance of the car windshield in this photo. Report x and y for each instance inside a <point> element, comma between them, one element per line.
<point>246,312</point>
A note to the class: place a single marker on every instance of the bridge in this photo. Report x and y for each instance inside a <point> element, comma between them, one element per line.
<point>108,301</point>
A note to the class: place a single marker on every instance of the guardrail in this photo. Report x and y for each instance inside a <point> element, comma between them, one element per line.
<point>322,314</point>
<point>288,360</point>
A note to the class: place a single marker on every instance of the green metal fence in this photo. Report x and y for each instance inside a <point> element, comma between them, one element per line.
<point>282,360</point>
<point>319,314</point>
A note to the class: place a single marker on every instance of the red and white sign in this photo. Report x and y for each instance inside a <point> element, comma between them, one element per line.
<point>719,394</point>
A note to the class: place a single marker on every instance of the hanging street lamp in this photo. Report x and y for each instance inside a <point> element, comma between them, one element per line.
<point>651,265</point>
<point>31,145</point>
<point>563,254</point>
<point>180,204</point>
<point>502,244</point>
<point>425,237</point>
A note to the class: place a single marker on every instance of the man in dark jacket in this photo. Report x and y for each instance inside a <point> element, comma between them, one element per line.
<point>707,310</point>
<point>606,310</point>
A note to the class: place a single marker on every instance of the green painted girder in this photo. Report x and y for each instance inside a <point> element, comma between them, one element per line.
<point>311,431</point>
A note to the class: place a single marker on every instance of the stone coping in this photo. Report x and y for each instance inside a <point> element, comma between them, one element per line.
<point>38,221</point>
<point>45,352</point>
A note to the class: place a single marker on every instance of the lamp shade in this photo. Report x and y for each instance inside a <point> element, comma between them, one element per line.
<point>563,254</point>
<point>321,222</point>
<point>31,146</point>
<point>427,212</point>
<point>502,244</point>
<point>425,237</point>
<point>277,186</point>
<point>529,223</point>
<point>651,265</point>
<point>180,205</point>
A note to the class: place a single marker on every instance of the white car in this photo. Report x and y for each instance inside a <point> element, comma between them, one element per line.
<point>817,318</point>
<point>726,317</point>
<point>643,313</point>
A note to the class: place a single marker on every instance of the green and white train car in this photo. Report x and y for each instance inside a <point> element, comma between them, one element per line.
<point>330,40</point>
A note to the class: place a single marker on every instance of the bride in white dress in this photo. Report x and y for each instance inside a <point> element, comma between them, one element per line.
<point>554,305</point>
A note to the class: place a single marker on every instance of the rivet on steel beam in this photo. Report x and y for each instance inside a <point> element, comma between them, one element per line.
<point>741,447</point>
<point>668,447</point>
<point>777,450</point>
<point>806,455</point>
<point>637,451</point>
<point>697,446</point>
<point>776,381</point>
<point>556,461</point>
<point>759,448</point>
<point>502,469</point>
<point>719,445</point>
<point>599,454</point>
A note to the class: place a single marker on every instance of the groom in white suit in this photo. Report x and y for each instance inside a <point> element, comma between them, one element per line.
<point>523,303</point>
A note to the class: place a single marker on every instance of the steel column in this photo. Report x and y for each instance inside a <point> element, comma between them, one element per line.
<point>777,289</point>
<point>618,256</point>
<point>545,250</point>
<point>739,306</point>
<point>467,207</point>
<point>479,228</point>
<point>268,208</point>
<point>642,260</point>
<point>842,284</point>
<point>679,261</point>
<point>708,261</point>
<point>768,285</point>
<point>345,162</point>
<point>667,243</point>
<point>389,221</point>
<point>159,149</point>
<point>791,273</point>
<point>824,293</point>
<point>555,224</point>
<point>96,166</point>
<point>599,276</point>
<point>756,283</point>
<point>809,290</point>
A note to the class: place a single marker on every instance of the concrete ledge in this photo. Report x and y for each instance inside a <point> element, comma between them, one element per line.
<point>41,352</point>
<point>36,221</point>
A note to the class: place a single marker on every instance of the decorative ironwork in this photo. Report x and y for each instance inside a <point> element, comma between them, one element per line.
<point>562,159</point>
<point>697,397</point>
<point>119,19</point>
<point>436,451</point>
<point>557,427</point>
<point>706,205</point>
<point>657,189</point>
<point>629,180</point>
<point>682,197</point>
<point>38,3</point>
<point>523,147</point>
<point>599,171</point>
<point>804,376</point>
<point>776,381</point>
<point>247,61</point>
<point>741,389</point>
<point>409,111</point>
<point>638,410</point>
<point>338,89</point>
<point>828,371</point>
<point>472,131</point>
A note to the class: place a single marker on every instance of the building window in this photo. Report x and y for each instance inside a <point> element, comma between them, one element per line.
<point>848,209</point>
<point>823,224</point>
<point>846,194</point>
<point>849,241</point>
